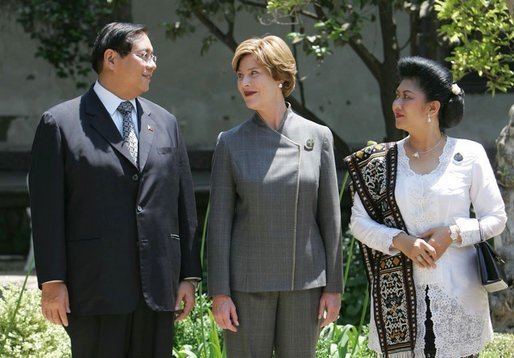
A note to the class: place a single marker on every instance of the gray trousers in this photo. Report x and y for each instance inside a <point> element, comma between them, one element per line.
<point>285,322</point>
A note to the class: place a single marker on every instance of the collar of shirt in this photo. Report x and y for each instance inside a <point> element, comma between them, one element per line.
<point>111,103</point>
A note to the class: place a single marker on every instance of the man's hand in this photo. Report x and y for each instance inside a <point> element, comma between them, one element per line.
<point>55,303</point>
<point>185,295</point>
<point>224,312</point>
<point>329,306</point>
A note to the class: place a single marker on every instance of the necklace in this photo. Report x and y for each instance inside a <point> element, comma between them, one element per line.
<point>417,153</point>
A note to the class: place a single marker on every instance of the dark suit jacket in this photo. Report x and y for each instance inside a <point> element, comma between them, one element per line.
<point>112,231</point>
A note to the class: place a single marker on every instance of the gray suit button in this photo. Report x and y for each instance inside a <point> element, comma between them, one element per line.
<point>139,209</point>
<point>135,177</point>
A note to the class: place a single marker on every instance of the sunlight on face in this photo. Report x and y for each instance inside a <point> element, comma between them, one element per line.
<point>258,89</point>
<point>410,106</point>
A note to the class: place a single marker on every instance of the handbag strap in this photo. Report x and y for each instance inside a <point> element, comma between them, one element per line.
<point>496,256</point>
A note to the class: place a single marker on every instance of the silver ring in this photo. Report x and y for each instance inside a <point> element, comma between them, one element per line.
<point>419,258</point>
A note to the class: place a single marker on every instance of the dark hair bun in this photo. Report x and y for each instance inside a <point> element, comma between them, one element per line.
<point>436,81</point>
<point>454,109</point>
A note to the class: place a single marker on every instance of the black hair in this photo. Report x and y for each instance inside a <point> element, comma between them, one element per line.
<point>436,81</point>
<point>117,36</point>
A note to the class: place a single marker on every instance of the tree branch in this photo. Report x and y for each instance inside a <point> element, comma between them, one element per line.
<point>227,39</point>
<point>320,13</point>
<point>230,21</point>
<point>253,3</point>
<point>342,148</point>
<point>366,56</point>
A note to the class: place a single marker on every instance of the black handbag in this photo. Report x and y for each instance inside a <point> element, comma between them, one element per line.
<point>490,267</point>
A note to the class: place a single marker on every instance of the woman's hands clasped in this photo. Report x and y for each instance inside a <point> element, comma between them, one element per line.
<point>426,249</point>
<point>438,238</point>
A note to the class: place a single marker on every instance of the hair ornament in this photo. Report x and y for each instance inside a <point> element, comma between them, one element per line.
<point>456,89</point>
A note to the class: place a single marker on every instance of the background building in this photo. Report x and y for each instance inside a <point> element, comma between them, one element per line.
<point>201,91</point>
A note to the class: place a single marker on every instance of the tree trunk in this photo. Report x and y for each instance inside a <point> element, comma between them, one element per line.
<point>387,80</point>
<point>502,303</point>
<point>387,95</point>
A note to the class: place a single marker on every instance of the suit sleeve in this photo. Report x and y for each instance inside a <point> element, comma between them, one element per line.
<point>47,201</point>
<point>329,216</point>
<point>223,196</point>
<point>190,265</point>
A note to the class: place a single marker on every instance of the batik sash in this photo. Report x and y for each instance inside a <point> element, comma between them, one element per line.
<point>373,174</point>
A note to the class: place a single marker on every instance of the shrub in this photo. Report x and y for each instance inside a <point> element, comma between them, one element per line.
<point>30,335</point>
<point>24,332</point>
<point>336,341</point>
<point>198,335</point>
<point>354,307</point>
<point>501,347</point>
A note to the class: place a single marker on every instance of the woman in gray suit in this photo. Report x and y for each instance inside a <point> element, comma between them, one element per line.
<point>274,249</point>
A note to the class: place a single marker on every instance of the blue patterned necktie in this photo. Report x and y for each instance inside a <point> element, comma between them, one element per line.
<point>129,132</point>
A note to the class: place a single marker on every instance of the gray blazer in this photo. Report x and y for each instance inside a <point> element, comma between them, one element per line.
<point>274,223</point>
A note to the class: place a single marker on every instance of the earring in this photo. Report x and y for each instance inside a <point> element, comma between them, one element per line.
<point>429,118</point>
<point>280,85</point>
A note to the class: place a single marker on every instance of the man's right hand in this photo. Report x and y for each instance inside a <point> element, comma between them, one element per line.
<point>224,312</point>
<point>55,303</point>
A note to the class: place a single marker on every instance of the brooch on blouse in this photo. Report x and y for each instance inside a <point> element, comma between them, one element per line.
<point>457,158</point>
<point>309,144</point>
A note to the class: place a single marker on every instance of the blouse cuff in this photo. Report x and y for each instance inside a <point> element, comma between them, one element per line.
<point>389,242</point>
<point>469,231</point>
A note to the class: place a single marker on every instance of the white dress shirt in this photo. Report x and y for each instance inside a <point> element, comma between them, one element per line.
<point>111,103</point>
<point>459,304</point>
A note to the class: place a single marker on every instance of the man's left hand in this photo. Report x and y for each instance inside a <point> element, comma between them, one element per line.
<point>329,306</point>
<point>185,295</point>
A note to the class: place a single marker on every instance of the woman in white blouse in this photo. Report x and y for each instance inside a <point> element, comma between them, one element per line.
<point>411,214</point>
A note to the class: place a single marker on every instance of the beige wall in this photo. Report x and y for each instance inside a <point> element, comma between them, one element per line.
<point>201,92</point>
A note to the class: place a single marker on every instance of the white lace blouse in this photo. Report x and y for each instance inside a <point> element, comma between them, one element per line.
<point>459,304</point>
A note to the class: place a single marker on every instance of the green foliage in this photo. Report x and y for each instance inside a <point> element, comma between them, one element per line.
<point>211,14</point>
<point>65,31</point>
<point>340,23</point>
<point>482,32</point>
<point>32,336</point>
<point>354,308</point>
<point>336,341</point>
<point>198,335</point>
<point>501,346</point>
<point>356,284</point>
<point>335,23</point>
<point>192,340</point>
<point>24,332</point>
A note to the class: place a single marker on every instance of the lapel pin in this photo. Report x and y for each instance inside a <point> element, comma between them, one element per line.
<point>458,158</point>
<point>149,128</point>
<point>309,144</point>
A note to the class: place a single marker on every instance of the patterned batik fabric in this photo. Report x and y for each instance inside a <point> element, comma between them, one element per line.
<point>129,132</point>
<point>373,173</point>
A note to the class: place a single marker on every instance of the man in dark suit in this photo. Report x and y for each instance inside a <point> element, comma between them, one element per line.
<point>113,209</point>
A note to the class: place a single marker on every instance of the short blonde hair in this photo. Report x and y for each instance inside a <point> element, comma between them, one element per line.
<point>274,54</point>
